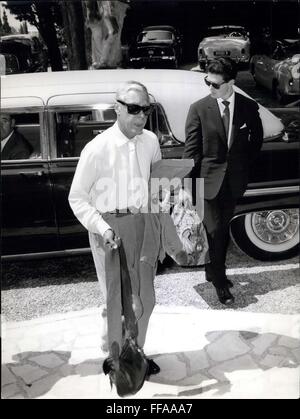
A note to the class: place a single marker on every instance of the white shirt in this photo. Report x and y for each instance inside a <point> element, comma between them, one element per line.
<point>102,179</point>
<point>231,100</point>
<point>3,142</point>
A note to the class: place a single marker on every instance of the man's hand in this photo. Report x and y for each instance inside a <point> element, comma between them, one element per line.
<point>110,239</point>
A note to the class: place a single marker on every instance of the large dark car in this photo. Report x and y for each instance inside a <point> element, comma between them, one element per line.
<point>157,46</point>
<point>36,50</point>
<point>59,112</point>
<point>16,58</point>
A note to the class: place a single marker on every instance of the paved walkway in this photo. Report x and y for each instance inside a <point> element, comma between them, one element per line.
<point>202,354</point>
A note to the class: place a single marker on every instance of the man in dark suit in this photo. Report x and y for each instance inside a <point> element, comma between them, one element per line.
<point>223,135</point>
<point>13,145</point>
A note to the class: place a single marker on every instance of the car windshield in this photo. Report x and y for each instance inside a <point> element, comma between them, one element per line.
<point>154,36</point>
<point>226,30</point>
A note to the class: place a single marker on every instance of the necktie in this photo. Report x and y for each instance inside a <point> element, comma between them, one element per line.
<point>226,117</point>
<point>135,194</point>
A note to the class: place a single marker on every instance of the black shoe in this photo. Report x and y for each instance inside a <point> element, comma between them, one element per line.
<point>229,283</point>
<point>225,296</point>
<point>153,368</point>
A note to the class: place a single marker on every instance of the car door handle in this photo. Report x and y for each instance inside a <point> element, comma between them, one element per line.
<point>33,174</point>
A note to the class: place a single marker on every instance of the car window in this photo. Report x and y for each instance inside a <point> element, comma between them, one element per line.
<point>25,142</point>
<point>235,31</point>
<point>155,36</point>
<point>162,129</point>
<point>73,129</point>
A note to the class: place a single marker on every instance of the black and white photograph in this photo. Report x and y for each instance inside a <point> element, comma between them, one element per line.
<point>150,202</point>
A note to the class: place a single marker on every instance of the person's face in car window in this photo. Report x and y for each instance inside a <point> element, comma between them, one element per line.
<point>6,125</point>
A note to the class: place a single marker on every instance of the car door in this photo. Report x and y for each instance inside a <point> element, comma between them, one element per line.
<point>27,216</point>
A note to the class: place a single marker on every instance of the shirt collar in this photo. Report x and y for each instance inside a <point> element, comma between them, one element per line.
<point>230,99</point>
<point>121,138</point>
<point>8,137</point>
<point>5,140</point>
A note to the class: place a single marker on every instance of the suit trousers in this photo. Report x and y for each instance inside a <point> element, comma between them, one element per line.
<point>217,215</point>
<point>131,230</point>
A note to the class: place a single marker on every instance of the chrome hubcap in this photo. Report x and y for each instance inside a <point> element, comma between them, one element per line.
<point>276,227</point>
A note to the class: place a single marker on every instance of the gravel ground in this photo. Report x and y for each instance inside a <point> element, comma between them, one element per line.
<point>37,288</point>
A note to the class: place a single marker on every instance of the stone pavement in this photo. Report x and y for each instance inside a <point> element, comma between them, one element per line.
<point>202,354</point>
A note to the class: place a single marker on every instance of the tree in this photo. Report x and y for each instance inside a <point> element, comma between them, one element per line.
<point>46,16</point>
<point>5,25</point>
<point>1,27</point>
<point>73,32</point>
<point>104,21</point>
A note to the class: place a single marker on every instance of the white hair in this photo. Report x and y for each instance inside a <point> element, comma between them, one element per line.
<point>131,85</point>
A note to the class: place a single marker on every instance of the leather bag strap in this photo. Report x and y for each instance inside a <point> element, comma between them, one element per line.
<point>130,319</point>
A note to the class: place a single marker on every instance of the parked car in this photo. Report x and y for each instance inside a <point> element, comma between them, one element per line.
<point>224,41</point>
<point>157,46</point>
<point>38,50</point>
<point>17,58</point>
<point>272,233</point>
<point>59,112</point>
<point>277,68</point>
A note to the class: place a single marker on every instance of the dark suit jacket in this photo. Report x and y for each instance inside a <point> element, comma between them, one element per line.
<point>206,143</point>
<point>16,148</point>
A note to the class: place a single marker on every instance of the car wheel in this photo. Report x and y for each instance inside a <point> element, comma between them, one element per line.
<point>267,235</point>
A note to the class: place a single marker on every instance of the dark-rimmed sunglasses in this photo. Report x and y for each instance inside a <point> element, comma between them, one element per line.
<point>214,85</point>
<point>134,109</point>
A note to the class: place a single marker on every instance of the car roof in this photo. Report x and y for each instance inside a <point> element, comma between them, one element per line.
<point>174,89</point>
<point>19,36</point>
<point>13,46</point>
<point>226,26</point>
<point>160,27</point>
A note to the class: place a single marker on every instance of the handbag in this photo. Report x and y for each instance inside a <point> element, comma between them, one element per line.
<point>191,233</point>
<point>127,370</point>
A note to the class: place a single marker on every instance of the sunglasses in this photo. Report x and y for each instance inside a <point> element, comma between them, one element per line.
<point>134,109</point>
<point>214,85</point>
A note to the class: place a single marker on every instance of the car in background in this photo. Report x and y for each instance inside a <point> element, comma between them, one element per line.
<point>16,58</point>
<point>224,41</point>
<point>58,115</point>
<point>156,47</point>
<point>277,67</point>
<point>37,48</point>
